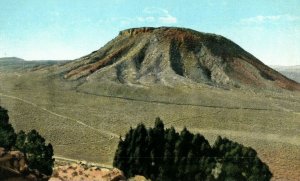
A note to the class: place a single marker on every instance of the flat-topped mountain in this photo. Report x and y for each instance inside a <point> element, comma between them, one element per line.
<point>172,56</point>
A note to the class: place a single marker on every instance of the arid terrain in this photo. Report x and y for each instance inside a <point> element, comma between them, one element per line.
<point>201,81</point>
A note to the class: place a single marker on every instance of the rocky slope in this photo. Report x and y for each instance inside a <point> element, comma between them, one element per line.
<point>174,56</point>
<point>89,172</point>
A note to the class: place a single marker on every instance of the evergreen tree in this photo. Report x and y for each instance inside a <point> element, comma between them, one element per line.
<point>157,151</point>
<point>239,162</point>
<point>20,141</point>
<point>182,147</point>
<point>140,151</point>
<point>121,155</point>
<point>168,169</point>
<point>7,133</point>
<point>39,155</point>
<point>4,118</point>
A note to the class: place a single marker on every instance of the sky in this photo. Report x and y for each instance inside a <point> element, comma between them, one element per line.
<point>69,29</point>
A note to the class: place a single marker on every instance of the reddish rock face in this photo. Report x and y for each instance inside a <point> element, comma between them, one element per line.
<point>14,160</point>
<point>145,56</point>
<point>13,167</point>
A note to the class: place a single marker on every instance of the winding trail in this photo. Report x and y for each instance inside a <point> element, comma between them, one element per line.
<point>110,134</point>
<point>61,158</point>
<point>178,104</point>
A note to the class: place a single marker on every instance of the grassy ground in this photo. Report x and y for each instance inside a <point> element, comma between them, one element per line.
<point>85,123</point>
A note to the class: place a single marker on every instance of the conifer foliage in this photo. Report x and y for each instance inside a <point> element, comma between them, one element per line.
<point>38,153</point>
<point>165,155</point>
<point>7,132</point>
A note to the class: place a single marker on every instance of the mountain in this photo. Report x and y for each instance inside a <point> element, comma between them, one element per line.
<point>292,72</point>
<point>174,57</point>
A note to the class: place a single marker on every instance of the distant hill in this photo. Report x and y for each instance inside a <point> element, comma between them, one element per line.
<point>292,72</point>
<point>15,63</point>
<point>174,57</point>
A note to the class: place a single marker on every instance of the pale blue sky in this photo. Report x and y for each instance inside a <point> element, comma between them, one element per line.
<point>68,29</point>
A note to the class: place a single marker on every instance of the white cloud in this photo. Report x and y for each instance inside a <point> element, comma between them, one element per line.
<point>265,19</point>
<point>163,15</point>
<point>150,16</point>
<point>168,19</point>
<point>146,19</point>
<point>125,21</point>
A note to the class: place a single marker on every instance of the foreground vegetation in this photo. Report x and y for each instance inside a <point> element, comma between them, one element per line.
<point>163,154</point>
<point>38,153</point>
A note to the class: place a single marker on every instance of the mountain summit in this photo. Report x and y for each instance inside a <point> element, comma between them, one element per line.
<point>175,56</point>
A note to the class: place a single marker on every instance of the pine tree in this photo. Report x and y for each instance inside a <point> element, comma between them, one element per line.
<point>239,162</point>
<point>20,141</point>
<point>140,151</point>
<point>157,152</point>
<point>39,154</point>
<point>4,118</point>
<point>168,169</point>
<point>182,148</point>
<point>7,133</point>
<point>120,158</point>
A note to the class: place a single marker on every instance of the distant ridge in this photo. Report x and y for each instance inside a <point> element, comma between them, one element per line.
<point>292,72</point>
<point>15,63</point>
<point>15,59</point>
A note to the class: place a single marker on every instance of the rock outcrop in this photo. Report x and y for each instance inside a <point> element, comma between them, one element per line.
<point>14,167</point>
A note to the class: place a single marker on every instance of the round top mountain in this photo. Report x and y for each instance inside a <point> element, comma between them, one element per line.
<point>175,56</point>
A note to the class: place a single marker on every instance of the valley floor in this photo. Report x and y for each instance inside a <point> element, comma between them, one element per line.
<point>86,125</point>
